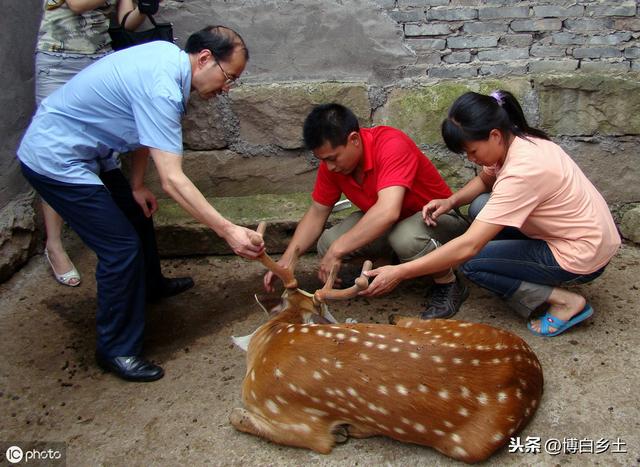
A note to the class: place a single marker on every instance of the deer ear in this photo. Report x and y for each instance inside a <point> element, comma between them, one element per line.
<point>243,341</point>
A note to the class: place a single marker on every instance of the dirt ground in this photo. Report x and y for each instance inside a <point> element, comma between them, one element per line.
<point>51,390</point>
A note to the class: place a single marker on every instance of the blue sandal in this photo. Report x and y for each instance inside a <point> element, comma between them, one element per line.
<point>547,321</point>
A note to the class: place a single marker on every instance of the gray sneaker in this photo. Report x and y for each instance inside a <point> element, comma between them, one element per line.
<point>445,300</point>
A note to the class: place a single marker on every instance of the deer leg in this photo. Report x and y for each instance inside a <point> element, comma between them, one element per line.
<point>319,440</point>
<point>356,431</point>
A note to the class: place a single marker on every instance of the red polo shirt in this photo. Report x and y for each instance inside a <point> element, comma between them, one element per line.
<point>391,158</point>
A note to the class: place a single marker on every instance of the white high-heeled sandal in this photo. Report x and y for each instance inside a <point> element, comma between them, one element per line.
<point>67,277</point>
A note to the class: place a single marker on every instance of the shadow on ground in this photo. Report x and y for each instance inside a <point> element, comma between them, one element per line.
<point>51,390</point>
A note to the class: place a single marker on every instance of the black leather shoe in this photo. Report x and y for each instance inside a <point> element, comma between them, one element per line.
<point>131,368</point>
<point>446,300</point>
<point>170,287</point>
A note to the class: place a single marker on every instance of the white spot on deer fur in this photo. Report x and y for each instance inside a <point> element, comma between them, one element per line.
<point>324,360</point>
<point>253,375</point>
<point>439,432</point>
<point>409,323</point>
<point>253,394</point>
<point>302,359</point>
<point>518,358</point>
<point>370,334</point>
<point>460,452</point>
<point>316,400</point>
<point>464,325</point>
<point>399,430</point>
<point>436,358</point>
<point>292,341</point>
<point>475,362</point>
<point>364,356</point>
<point>502,396</point>
<point>317,375</point>
<point>383,427</point>
<point>293,387</point>
<point>382,346</point>
<point>353,339</point>
<point>463,411</point>
<point>456,437</point>
<point>419,427</point>
<point>355,330</point>
<point>264,359</point>
<point>482,398</point>
<point>320,332</point>
<point>282,400</point>
<point>368,344</point>
<point>497,437</point>
<point>291,329</point>
<point>328,334</point>
<point>272,406</point>
<point>448,424</point>
<point>383,390</point>
<point>279,331</point>
<point>402,390</point>
<point>278,373</point>
<point>326,372</point>
<point>399,340</point>
<point>343,410</point>
<point>405,420</point>
<point>437,336</point>
<point>338,364</point>
<point>496,361</point>
<point>523,383</point>
<point>395,349</point>
<point>518,393</point>
<point>339,392</point>
<point>340,336</point>
<point>304,330</point>
<point>457,334</point>
<point>457,361</point>
<point>422,388</point>
<point>414,355</point>
<point>335,327</point>
<point>527,411</point>
<point>330,391</point>
<point>444,394</point>
<point>352,391</point>
<point>413,343</point>
<point>351,404</point>
<point>331,404</point>
<point>534,402</point>
<point>464,391</point>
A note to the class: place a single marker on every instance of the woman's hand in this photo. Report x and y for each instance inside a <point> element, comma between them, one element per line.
<point>386,278</point>
<point>434,209</point>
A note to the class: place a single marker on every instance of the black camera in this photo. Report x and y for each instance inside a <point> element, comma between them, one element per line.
<point>148,7</point>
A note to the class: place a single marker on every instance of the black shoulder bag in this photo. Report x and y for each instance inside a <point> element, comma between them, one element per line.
<point>121,38</point>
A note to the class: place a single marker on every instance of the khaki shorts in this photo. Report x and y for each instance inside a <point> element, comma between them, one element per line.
<point>407,240</point>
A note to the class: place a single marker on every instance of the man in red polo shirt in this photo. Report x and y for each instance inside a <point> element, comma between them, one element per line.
<point>382,172</point>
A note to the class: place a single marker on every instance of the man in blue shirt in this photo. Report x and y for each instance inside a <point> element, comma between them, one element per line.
<point>132,98</point>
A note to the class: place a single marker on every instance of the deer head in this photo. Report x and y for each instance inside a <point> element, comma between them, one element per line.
<point>461,388</point>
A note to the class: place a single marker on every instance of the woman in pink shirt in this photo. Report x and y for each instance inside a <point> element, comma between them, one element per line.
<point>538,222</point>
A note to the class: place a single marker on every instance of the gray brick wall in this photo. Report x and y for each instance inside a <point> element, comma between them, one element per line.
<point>462,38</point>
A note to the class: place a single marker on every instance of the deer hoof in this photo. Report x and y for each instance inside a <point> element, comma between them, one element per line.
<point>340,433</point>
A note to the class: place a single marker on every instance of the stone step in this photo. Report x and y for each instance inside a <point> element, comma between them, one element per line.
<point>179,234</point>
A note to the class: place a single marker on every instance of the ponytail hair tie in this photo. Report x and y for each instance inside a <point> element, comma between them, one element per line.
<point>496,95</point>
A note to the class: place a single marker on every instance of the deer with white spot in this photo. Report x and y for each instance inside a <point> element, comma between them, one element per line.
<point>459,387</point>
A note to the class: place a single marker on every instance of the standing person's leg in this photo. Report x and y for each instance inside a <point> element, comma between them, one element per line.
<point>156,284</point>
<point>91,212</point>
<point>526,275</point>
<point>63,269</point>
<point>52,71</point>
<point>412,239</point>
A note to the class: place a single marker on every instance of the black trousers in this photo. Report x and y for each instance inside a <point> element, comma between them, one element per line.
<point>120,190</point>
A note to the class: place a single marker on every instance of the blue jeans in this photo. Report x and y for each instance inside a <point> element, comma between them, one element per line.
<point>519,269</point>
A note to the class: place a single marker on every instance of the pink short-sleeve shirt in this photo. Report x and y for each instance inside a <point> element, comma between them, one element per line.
<point>541,191</point>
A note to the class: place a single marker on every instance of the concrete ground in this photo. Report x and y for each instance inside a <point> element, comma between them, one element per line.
<point>51,390</point>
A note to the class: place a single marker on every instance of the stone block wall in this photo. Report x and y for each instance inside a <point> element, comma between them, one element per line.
<point>462,39</point>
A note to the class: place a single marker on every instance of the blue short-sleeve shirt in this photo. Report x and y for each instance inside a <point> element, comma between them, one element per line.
<point>132,98</point>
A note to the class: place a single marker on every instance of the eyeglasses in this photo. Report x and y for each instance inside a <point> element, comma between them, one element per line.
<point>229,80</point>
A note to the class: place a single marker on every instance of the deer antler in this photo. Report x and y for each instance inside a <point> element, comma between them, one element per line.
<point>329,293</point>
<point>284,273</point>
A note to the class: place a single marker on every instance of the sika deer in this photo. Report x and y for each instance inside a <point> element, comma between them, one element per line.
<point>461,388</point>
